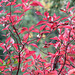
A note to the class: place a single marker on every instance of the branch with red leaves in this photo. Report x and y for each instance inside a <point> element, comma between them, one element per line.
<point>18,57</point>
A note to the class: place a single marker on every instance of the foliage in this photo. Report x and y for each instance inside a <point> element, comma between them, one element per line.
<point>21,44</point>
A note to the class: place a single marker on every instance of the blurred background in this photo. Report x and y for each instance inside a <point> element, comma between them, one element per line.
<point>30,18</point>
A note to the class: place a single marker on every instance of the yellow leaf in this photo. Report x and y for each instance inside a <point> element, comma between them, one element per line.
<point>31,35</point>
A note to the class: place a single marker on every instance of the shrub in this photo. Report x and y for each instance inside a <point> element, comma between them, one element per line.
<point>17,55</point>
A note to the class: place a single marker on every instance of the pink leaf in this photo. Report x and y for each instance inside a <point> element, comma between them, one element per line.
<point>47,28</point>
<point>67,5</point>
<point>57,18</point>
<point>6,28</point>
<point>23,29</point>
<point>2,67</point>
<point>69,27</point>
<point>12,41</point>
<point>45,32</point>
<point>64,18</point>
<point>1,61</point>
<point>63,10</point>
<point>36,3</point>
<point>15,45</point>
<point>39,56</point>
<point>23,0</point>
<point>22,15</point>
<point>34,45</point>
<point>46,14</point>
<point>18,5</point>
<point>42,60</point>
<point>7,40</point>
<point>28,60</point>
<point>54,16</point>
<point>14,1</point>
<point>1,11</point>
<point>41,22</point>
<point>31,27</point>
<point>26,9</point>
<point>29,54</point>
<point>25,37</point>
<point>38,39</point>
<point>42,27</point>
<point>11,3</point>
<point>6,57</point>
<point>24,67</point>
<point>38,13</point>
<point>34,56</point>
<point>35,30</point>
<point>26,73</point>
<point>17,11</point>
<point>55,38</point>
<point>70,9</point>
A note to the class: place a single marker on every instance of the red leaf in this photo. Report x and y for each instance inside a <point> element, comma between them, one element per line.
<point>38,13</point>
<point>23,0</point>
<point>29,54</point>
<point>1,11</point>
<point>1,61</point>
<point>24,67</point>
<point>39,56</point>
<point>6,28</point>
<point>25,37</point>
<point>26,9</point>
<point>12,41</point>
<point>16,56</point>
<point>31,27</point>
<point>17,11</point>
<point>36,3</point>
<point>34,45</point>
<point>63,10</point>
<point>69,27</point>
<point>35,30</point>
<point>26,73</point>
<point>42,60</point>
<point>57,18</point>
<point>28,60</point>
<point>23,29</point>
<point>22,15</point>
<point>46,14</point>
<point>41,22</point>
<point>45,32</point>
<point>18,5</point>
<point>47,28</point>
<point>7,40</point>
<point>70,9</point>
<point>14,1</point>
<point>55,38</point>
<point>6,57</point>
<point>34,56</point>
<point>54,16</point>
<point>15,45</point>
<point>14,68</point>
<point>64,18</point>
<point>67,5</point>
<point>38,39</point>
<point>42,27</point>
<point>11,3</point>
<point>2,67</point>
